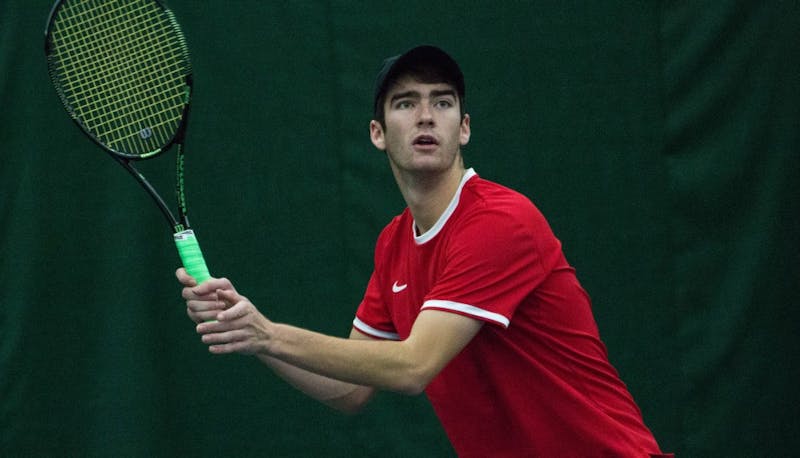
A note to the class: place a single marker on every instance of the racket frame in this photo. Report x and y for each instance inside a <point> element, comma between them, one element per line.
<point>124,159</point>
<point>185,240</point>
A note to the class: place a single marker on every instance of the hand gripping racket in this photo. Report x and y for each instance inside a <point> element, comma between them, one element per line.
<point>122,71</point>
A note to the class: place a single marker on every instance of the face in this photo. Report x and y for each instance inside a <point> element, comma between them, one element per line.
<point>424,130</point>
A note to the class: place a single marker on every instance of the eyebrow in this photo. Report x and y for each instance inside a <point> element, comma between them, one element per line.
<point>416,94</point>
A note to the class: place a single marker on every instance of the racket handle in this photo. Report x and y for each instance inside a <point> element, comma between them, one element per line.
<point>191,256</point>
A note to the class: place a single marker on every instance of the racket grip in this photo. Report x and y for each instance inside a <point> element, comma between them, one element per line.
<point>191,256</point>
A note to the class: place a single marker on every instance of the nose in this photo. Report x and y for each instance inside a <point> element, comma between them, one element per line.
<point>425,114</point>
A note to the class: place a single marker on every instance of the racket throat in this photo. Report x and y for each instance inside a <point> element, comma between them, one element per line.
<point>173,222</point>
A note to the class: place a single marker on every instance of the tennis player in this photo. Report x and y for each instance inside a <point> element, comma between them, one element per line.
<point>471,301</point>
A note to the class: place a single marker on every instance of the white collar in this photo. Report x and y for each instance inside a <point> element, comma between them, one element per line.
<point>431,233</point>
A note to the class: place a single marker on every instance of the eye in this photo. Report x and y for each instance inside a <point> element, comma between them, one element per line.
<point>444,103</point>
<point>403,105</point>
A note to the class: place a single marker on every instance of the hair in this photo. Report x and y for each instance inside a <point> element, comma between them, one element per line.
<point>423,73</point>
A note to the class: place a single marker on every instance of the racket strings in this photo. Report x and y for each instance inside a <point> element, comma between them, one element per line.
<point>73,61</point>
<point>130,95</point>
<point>122,67</point>
<point>131,68</point>
<point>119,71</point>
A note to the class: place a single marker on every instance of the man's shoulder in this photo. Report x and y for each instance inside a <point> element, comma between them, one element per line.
<point>482,195</point>
<point>488,190</point>
<point>393,228</point>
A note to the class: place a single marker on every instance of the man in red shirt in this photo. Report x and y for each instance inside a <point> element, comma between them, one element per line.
<point>471,301</point>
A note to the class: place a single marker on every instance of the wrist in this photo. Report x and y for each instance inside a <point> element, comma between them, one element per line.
<point>269,341</point>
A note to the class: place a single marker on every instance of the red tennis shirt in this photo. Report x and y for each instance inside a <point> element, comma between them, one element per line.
<point>536,380</point>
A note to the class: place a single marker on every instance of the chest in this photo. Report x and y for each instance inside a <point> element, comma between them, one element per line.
<point>406,278</point>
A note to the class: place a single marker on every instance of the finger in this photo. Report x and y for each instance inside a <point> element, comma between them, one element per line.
<point>211,285</point>
<point>207,302</point>
<point>221,338</point>
<point>184,278</point>
<point>212,325</point>
<point>229,342</point>
<point>201,309</point>
<point>200,317</point>
<point>204,310</point>
<point>188,294</point>
<point>229,297</point>
<point>236,311</point>
<point>231,347</point>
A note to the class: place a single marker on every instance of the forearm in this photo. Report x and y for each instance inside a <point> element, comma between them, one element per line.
<point>385,365</point>
<point>339,395</point>
<point>405,366</point>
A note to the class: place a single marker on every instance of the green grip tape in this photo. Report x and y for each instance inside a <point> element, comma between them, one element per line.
<point>191,256</point>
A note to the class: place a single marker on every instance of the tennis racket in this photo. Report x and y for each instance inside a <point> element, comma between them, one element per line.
<point>122,71</point>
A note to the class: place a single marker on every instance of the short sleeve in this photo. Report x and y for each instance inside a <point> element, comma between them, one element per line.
<point>494,260</point>
<point>372,317</point>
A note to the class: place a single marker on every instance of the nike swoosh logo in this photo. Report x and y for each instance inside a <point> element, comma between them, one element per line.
<point>397,288</point>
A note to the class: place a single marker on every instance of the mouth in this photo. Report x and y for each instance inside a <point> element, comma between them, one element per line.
<point>425,141</point>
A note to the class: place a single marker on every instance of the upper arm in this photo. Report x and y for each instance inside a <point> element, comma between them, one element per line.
<point>436,338</point>
<point>355,334</point>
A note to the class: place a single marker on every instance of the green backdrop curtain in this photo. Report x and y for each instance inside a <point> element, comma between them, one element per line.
<point>659,138</point>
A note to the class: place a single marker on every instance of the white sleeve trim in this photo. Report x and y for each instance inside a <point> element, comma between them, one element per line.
<point>369,330</point>
<point>467,309</point>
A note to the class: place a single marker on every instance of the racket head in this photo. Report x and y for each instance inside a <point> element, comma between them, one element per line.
<point>122,72</point>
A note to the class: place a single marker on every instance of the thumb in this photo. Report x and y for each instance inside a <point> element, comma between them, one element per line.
<point>236,305</point>
<point>184,278</point>
<point>229,297</point>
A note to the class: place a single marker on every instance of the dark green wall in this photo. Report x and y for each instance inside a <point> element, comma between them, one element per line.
<point>659,138</point>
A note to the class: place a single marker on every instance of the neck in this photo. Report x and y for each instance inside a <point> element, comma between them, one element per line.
<point>428,196</point>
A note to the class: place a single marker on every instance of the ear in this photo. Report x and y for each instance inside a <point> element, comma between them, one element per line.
<point>465,131</point>
<point>376,134</point>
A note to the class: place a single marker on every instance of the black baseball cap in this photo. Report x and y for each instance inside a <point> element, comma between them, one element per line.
<point>421,57</point>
